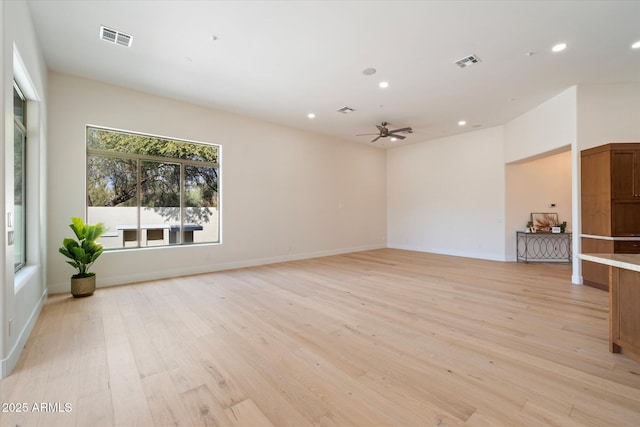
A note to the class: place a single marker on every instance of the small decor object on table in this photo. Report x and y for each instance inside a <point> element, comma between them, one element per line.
<point>542,222</point>
<point>83,253</point>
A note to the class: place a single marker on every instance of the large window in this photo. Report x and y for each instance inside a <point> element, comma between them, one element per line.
<point>152,191</point>
<point>19,174</point>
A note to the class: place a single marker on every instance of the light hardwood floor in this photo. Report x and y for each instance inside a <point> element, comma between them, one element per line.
<point>375,338</point>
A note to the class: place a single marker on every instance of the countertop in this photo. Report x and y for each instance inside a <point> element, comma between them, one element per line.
<point>619,239</point>
<point>626,261</point>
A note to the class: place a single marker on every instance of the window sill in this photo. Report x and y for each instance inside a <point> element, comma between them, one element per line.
<point>24,276</point>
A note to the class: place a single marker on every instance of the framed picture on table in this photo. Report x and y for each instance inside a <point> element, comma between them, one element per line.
<point>544,221</point>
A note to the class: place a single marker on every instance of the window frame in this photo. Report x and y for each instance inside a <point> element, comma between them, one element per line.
<point>140,159</point>
<point>21,126</point>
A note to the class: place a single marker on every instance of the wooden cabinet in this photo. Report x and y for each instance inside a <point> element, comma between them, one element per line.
<point>593,273</point>
<point>624,318</point>
<point>610,190</point>
<point>625,218</point>
<point>610,194</point>
<point>625,174</point>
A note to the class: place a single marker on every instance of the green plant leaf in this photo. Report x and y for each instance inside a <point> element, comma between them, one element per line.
<point>74,264</point>
<point>78,227</point>
<point>66,253</point>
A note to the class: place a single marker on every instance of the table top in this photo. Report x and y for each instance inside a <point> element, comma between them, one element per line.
<point>543,233</point>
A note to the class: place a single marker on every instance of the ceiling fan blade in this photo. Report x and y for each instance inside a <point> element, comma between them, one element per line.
<point>376,138</point>
<point>381,128</point>
<point>407,129</point>
<point>364,134</point>
<point>393,135</point>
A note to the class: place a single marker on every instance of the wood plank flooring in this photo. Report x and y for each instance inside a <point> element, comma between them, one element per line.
<point>376,338</point>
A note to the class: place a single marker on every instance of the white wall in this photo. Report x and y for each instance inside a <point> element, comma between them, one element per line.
<point>608,113</point>
<point>22,294</point>
<point>447,196</point>
<point>286,194</point>
<point>545,129</point>
<point>531,187</point>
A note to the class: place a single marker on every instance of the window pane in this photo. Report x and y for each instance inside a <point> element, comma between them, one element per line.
<point>19,105</point>
<point>19,197</point>
<point>112,199</point>
<point>201,204</point>
<point>160,215</point>
<point>131,143</point>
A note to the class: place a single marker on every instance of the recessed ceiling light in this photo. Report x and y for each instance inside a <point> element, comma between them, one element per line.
<point>369,71</point>
<point>311,116</point>
<point>462,123</point>
<point>636,45</point>
<point>383,85</point>
<point>393,139</point>
<point>559,47</point>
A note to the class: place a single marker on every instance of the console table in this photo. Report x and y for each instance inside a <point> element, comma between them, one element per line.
<point>543,247</point>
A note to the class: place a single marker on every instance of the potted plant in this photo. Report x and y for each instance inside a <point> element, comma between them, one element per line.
<point>83,253</point>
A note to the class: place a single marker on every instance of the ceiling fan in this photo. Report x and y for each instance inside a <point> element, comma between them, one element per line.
<point>383,132</point>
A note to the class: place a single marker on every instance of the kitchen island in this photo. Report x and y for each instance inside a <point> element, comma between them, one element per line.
<point>624,301</point>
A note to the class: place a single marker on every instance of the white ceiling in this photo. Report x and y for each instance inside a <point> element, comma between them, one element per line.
<point>280,60</point>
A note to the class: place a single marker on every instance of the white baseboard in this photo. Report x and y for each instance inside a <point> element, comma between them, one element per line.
<point>463,254</point>
<point>55,288</point>
<point>8,363</point>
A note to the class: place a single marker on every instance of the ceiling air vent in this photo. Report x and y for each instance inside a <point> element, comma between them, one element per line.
<point>467,61</point>
<point>113,36</point>
<point>345,110</point>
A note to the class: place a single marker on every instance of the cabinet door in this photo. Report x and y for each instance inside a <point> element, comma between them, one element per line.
<point>636,174</point>
<point>625,218</point>
<point>596,193</point>
<point>623,185</point>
